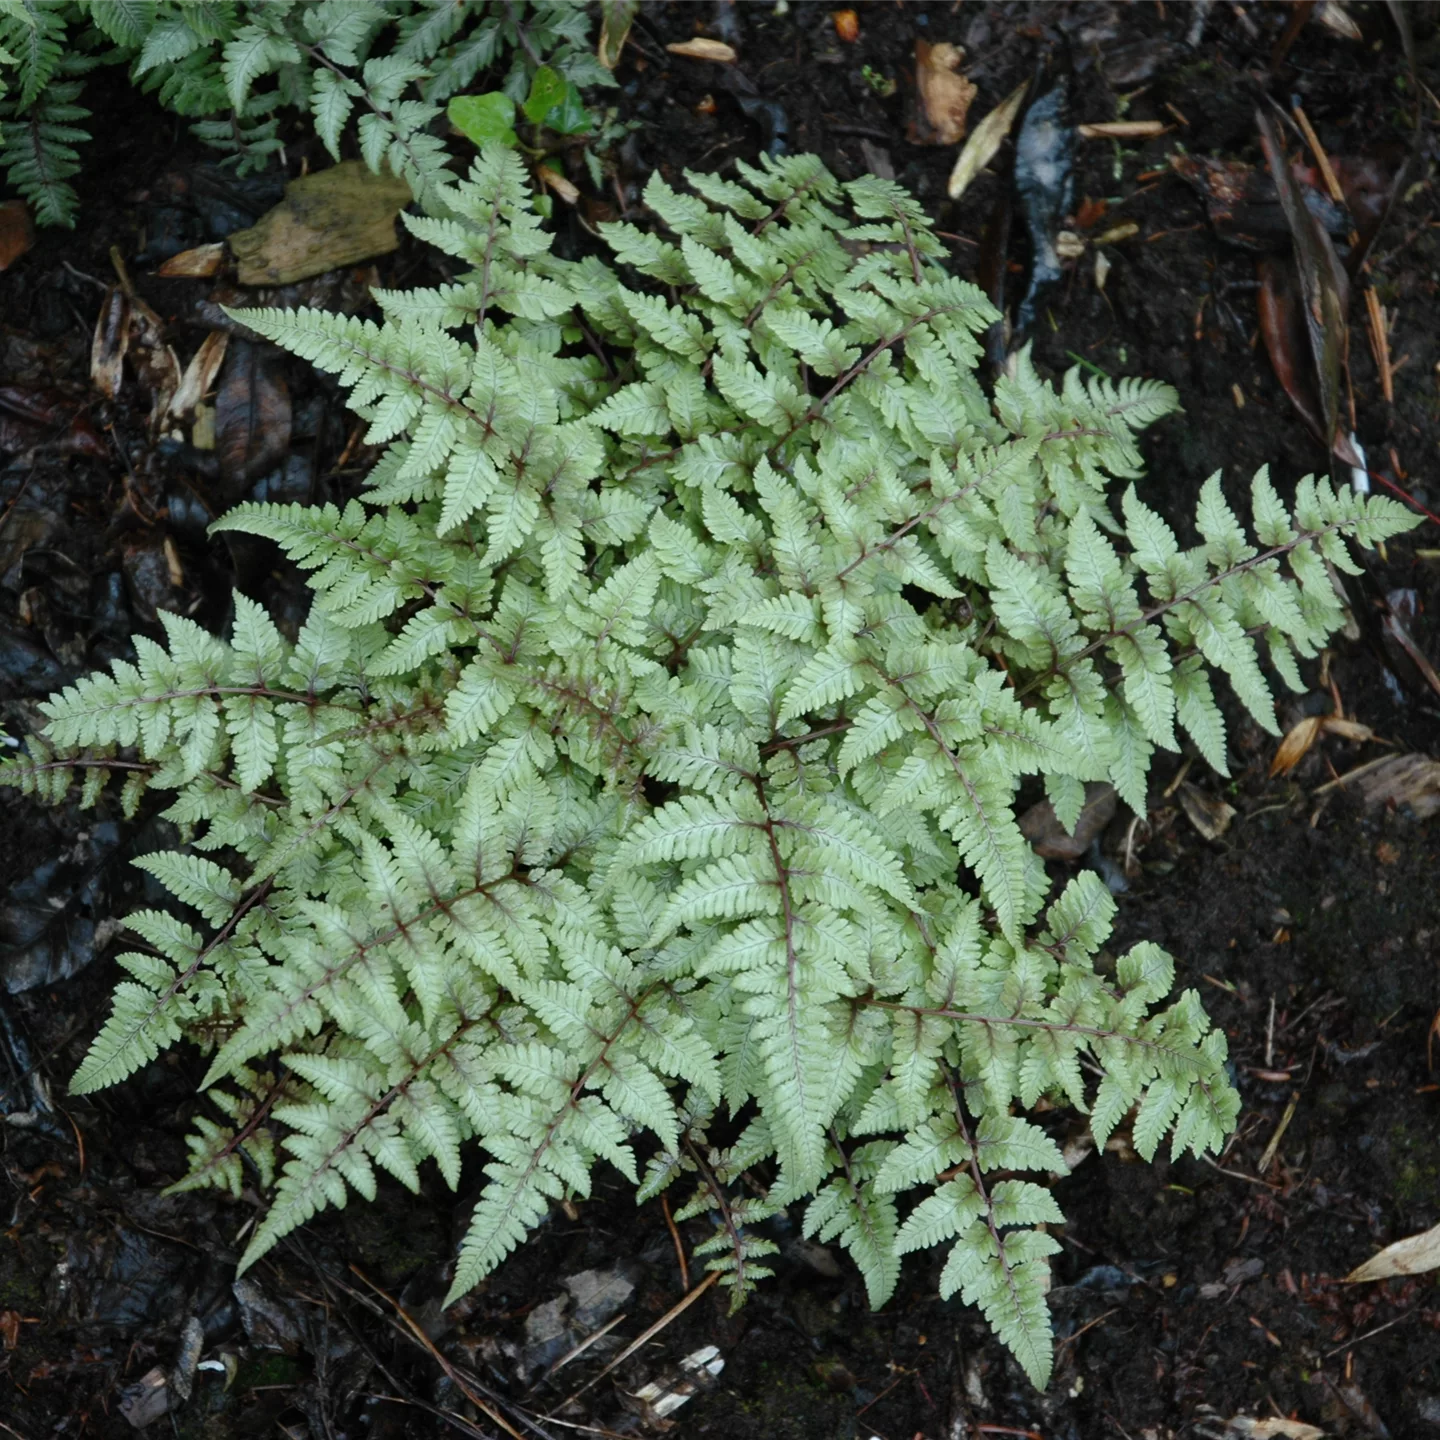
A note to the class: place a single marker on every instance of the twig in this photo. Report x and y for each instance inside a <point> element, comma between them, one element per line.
<point>1369,1333</point>
<point>451,1373</point>
<point>576,1351</point>
<point>1279,1134</point>
<point>1354,774</point>
<point>673,1313</point>
<point>679,1244</point>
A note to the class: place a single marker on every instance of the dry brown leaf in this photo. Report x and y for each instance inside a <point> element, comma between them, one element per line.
<point>200,263</point>
<point>1296,745</point>
<point>332,218</point>
<point>945,94</point>
<point>1412,1256</point>
<point>985,141</point>
<point>1209,815</point>
<point>702,49</point>
<point>847,25</point>
<point>1042,828</point>
<point>17,232</point>
<point>1123,129</point>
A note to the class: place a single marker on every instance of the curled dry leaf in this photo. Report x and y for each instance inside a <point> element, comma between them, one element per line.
<point>1123,129</point>
<point>1296,745</point>
<point>985,141</point>
<point>702,49</point>
<point>199,374</point>
<point>200,263</point>
<point>1412,1256</point>
<point>1208,814</point>
<point>110,342</point>
<point>17,232</point>
<point>945,94</point>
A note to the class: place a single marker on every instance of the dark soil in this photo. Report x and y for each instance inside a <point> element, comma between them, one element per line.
<point>1187,1292</point>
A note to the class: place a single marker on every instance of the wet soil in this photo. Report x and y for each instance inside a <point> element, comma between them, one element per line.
<point>1187,1292</point>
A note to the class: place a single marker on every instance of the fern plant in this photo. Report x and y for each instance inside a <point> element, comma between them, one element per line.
<point>642,784</point>
<point>381,70</point>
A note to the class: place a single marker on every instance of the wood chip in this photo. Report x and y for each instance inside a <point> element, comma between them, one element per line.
<point>1410,780</point>
<point>702,49</point>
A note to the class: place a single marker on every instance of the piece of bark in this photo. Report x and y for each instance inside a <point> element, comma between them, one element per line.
<point>333,218</point>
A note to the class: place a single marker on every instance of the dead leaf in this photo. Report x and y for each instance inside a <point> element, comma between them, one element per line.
<point>200,263</point>
<point>1335,18</point>
<point>702,49</point>
<point>1041,826</point>
<point>17,232</point>
<point>616,17</point>
<point>1347,729</point>
<point>1209,815</point>
<point>110,342</point>
<point>563,187</point>
<point>985,141</point>
<point>1412,1256</point>
<point>1274,1427</point>
<point>199,374</point>
<point>847,25</point>
<point>1403,611</point>
<point>945,94</point>
<point>1323,285</point>
<point>252,417</point>
<point>1125,230</point>
<point>1123,129</point>
<point>1296,745</point>
<point>1286,342</point>
<point>333,218</point>
<point>1412,780</point>
<point>155,363</point>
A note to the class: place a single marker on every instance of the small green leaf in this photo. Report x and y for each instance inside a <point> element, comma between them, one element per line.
<point>484,118</point>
